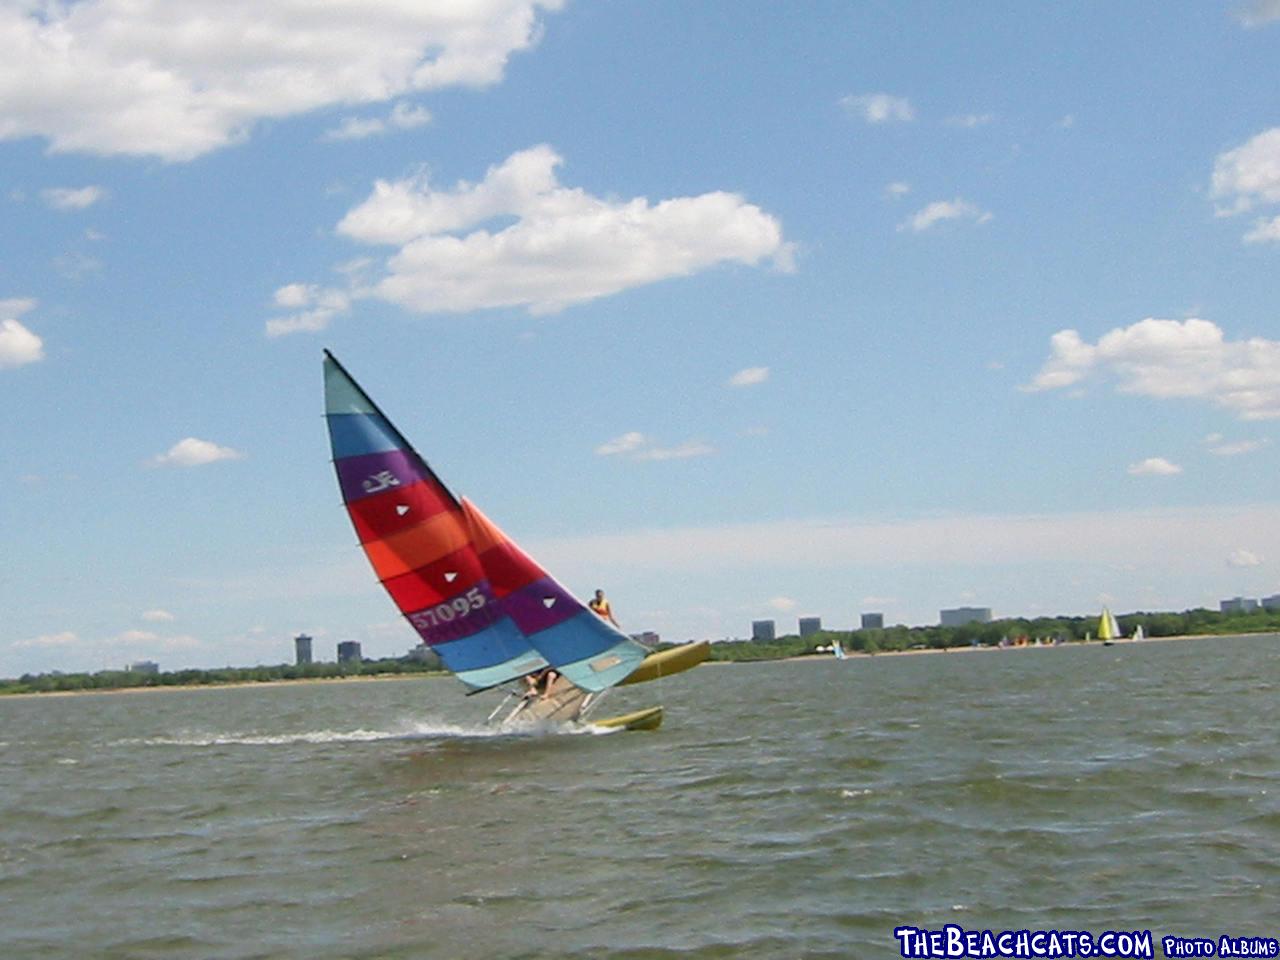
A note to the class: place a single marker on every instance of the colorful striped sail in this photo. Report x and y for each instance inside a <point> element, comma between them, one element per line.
<point>589,652</point>
<point>472,595</point>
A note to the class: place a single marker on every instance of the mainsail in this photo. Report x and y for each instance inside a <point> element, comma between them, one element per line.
<point>1108,628</point>
<point>472,595</point>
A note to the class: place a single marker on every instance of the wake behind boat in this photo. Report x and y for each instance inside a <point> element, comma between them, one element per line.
<point>491,613</point>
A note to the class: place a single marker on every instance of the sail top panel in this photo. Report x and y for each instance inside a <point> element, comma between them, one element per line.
<point>341,393</point>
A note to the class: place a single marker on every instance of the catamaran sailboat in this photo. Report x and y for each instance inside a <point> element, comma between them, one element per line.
<point>492,614</point>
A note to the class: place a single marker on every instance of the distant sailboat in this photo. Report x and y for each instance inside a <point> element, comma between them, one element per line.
<point>1108,628</point>
<point>1139,633</point>
<point>837,649</point>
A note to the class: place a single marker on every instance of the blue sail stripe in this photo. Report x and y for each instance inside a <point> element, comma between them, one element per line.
<point>604,669</point>
<point>580,648</point>
<point>356,434</point>
<point>500,642</point>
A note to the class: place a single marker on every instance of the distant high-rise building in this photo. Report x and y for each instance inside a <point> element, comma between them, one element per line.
<point>1239,605</point>
<point>1272,602</point>
<point>873,621</point>
<point>302,649</point>
<point>763,630</point>
<point>649,638</point>
<point>810,625</point>
<point>143,666</point>
<point>349,651</point>
<point>962,615</point>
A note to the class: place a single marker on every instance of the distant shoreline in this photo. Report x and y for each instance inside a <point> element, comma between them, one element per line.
<point>1124,641</point>
<point>804,658</point>
<point>238,684</point>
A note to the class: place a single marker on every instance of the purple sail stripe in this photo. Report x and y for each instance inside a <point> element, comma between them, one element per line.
<point>458,617</point>
<point>542,604</point>
<point>373,473</point>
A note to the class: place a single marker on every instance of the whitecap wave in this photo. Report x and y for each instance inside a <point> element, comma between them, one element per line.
<point>413,730</point>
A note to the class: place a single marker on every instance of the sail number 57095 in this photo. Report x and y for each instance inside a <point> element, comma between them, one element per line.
<point>459,606</point>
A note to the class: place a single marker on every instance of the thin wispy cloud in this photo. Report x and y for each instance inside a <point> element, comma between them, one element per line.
<point>72,198</point>
<point>1244,558</point>
<point>1154,467</point>
<point>65,638</point>
<point>899,188</point>
<point>637,446</point>
<point>176,79</point>
<point>1172,359</point>
<point>970,120</point>
<point>943,210</point>
<point>1258,13</point>
<point>18,345</point>
<point>158,616</point>
<point>564,246</point>
<point>1221,448</point>
<point>878,107</point>
<point>749,377</point>
<point>1159,539</point>
<point>403,116</point>
<point>192,452</point>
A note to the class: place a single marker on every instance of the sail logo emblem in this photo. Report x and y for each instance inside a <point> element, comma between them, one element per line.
<point>401,509</point>
<point>450,577</point>
<point>548,602</point>
<point>382,480</point>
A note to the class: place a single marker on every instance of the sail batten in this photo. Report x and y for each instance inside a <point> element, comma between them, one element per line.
<point>469,592</point>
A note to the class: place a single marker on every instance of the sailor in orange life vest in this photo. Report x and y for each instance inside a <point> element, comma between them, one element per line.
<point>601,607</point>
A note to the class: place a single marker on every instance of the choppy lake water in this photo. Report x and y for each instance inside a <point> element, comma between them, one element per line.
<point>800,809</point>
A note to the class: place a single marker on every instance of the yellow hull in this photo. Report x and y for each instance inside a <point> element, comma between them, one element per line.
<point>668,662</point>
<point>649,719</point>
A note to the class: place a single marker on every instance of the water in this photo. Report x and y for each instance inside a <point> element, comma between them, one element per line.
<point>799,809</point>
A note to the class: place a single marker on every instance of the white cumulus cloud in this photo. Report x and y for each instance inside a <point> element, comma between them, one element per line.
<point>1244,558</point>
<point>18,345</point>
<point>1248,177</point>
<point>943,210</point>
<point>878,107</point>
<point>1154,467</point>
<point>178,78</point>
<point>1173,359</point>
<point>191,452</point>
<point>518,238</point>
<point>749,377</point>
<point>72,198</point>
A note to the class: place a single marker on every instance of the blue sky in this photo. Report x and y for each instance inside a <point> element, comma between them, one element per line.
<point>737,311</point>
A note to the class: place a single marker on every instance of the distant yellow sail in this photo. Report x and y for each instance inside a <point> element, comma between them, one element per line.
<point>1108,629</point>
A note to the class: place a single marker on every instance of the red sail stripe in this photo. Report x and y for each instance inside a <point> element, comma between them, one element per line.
<point>392,511</point>
<point>418,546</point>
<point>429,585</point>
<point>507,567</point>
